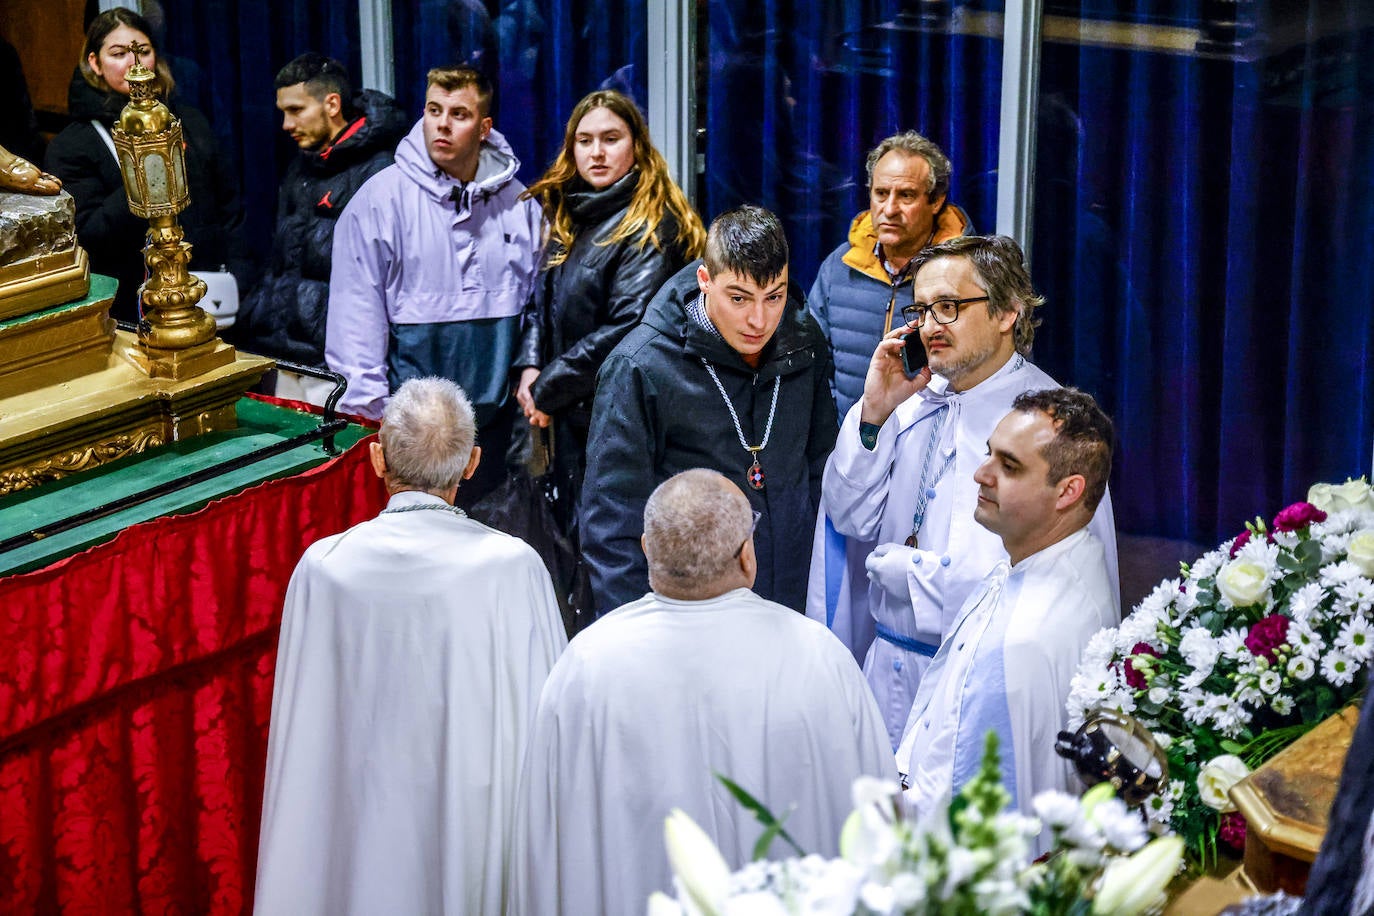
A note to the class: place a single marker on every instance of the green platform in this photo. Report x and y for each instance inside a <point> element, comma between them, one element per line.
<point>260,425</point>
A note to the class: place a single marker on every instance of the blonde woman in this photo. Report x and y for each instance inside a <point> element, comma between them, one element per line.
<point>618,227</point>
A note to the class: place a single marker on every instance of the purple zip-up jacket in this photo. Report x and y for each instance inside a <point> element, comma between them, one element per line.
<point>423,284</point>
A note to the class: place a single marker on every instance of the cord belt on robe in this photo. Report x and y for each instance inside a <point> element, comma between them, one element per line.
<point>905,642</point>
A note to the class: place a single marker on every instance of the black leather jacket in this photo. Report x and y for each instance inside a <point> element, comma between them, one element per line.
<point>584,306</point>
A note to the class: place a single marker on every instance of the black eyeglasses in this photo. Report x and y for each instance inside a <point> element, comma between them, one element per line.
<point>944,311</point>
<point>753,526</point>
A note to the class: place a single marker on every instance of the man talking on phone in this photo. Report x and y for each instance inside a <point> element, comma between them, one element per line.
<point>899,485</point>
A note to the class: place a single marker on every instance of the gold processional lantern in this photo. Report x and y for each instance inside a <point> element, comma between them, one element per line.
<point>148,142</point>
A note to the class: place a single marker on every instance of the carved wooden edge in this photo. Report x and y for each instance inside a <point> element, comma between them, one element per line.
<point>58,466</point>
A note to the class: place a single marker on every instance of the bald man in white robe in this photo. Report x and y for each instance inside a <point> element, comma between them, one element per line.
<point>413,648</point>
<point>698,677</point>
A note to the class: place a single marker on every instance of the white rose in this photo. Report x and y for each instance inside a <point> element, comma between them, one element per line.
<point>1360,551</point>
<point>1353,494</point>
<point>1134,884</point>
<point>1244,583</point>
<point>1217,778</point>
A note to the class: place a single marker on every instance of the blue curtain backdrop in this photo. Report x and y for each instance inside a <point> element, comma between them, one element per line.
<point>542,57</point>
<point>1203,210</point>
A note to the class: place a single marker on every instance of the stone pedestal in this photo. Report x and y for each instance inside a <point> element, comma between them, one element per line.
<point>40,262</point>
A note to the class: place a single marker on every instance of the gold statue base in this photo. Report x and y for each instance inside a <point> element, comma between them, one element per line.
<point>43,281</point>
<point>75,394</point>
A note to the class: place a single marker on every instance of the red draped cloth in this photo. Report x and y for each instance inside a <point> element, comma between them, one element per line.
<point>135,689</point>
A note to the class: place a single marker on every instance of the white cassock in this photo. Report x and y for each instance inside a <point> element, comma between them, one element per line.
<point>1006,666</point>
<point>413,648</point>
<point>640,712</point>
<point>870,498</point>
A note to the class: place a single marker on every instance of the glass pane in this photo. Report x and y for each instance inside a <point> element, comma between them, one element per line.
<point>541,55</point>
<point>1203,210</point>
<point>797,93</point>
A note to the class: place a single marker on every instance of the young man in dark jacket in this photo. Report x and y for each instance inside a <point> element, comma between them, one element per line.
<point>344,140</point>
<point>729,372</point>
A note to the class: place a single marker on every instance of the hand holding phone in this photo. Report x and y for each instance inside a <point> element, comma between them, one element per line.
<point>914,357</point>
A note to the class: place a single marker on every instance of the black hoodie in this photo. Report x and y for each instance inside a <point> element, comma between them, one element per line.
<point>112,235</point>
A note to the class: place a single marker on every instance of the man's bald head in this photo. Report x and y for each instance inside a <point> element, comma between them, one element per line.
<point>694,526</point>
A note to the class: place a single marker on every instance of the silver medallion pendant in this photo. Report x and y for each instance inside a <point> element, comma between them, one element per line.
<point>755,475</point>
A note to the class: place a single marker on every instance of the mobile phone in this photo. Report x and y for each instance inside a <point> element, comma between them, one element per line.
<point>914,357</point>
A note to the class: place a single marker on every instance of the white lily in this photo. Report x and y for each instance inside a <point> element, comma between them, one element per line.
<point>696,862</point>
<point>1132,885</point>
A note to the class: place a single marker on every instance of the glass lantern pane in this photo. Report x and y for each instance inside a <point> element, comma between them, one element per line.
<point>155,167</point>
<point>131,185</point>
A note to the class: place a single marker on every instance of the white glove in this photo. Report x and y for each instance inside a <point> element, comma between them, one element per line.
<point>888,567</point>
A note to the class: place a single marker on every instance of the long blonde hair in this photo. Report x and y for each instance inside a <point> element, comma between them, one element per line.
<point>655,194</point>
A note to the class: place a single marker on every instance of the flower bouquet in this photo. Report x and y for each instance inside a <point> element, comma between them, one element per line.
<point>968,856</point>
<point>1255,644</point>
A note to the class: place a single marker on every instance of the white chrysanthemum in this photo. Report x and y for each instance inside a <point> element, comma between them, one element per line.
<point>1208,564</point>
<point>1285,539</point>
<point>1163,739</point>
<point>1355,595</point>
<point>1270,681</point>
<point>1198,648</point>
<point>1229,716</point>
<point>1196,708</point>
<point>1231,644</point>
<point>1141,626</point>
<point>1305,640</point>
<point>1055,809</point>
<point>1301,668</point>
<point>1193,680</point>
<point>1159,695</point>
<point>1260,552</point>
<point>1356,639</point>
<point>1306,600</point>
<point>1159,809</point>
<point>1187,746</point>
<point>1339,668</point>
<point>1332,576</point>
<point>1185,607</point>
<point>1100,649</point>
<point>1282,704</point>
<point>1249,694</point>
<point>1160,599</point>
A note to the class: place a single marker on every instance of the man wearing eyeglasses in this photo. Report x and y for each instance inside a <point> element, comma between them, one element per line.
<point>899,486</point>
<point>860,287</point>
<point>701,676</point>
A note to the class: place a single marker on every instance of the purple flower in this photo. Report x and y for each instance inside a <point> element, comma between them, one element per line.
<point>1134,677</point>
<point>1232,830</point>
<point>1267,634</point>
<point>1298,516</point>
<point>1241,541</point>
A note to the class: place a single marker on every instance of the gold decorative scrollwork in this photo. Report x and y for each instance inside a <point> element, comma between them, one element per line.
<point>82,459</point>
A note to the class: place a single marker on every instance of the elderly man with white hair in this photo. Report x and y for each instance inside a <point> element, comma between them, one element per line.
<point>699,677</point>
<point>413,648</point>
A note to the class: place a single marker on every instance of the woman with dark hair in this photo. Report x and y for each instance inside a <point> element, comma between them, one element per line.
<point>83,157</point>
<point>617,228</point>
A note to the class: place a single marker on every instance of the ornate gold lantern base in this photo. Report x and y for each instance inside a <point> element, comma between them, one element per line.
<point>75,393</point>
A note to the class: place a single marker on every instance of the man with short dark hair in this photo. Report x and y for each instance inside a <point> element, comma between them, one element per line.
<point>758,693</point>
<point>728,371</point>
<point>433,262</point>
<point>413,650</point>
<point>861,287</point>
<point>1007,661</point>
<point>344,140</point>
<point>899,485</point>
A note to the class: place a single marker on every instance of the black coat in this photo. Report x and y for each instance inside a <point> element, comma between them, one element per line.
<point>284,316</point>
<point>658,412</point>
<point>586,305</point>
<point>114,237</point>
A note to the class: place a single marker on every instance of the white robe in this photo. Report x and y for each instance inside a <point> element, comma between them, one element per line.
<point>869,498</point>
<point>1006,666</point>
<point>413,648</point>
<point>640,712</point>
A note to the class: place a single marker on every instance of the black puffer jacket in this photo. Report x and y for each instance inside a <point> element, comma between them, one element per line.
<point>284,316</point>
<point>111,235</point>
<point>658,412</point>
<point>584,306</point>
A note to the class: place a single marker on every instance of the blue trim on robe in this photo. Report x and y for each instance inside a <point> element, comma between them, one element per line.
<point>835,564</point>
<point>984,707</point>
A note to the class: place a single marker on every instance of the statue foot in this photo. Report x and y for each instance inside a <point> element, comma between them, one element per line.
<point>18,174</point>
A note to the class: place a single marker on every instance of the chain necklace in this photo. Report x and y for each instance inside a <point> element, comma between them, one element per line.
<point>755,475</point>
<point>427,507</point>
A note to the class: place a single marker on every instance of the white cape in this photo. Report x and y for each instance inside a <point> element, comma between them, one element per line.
<point>413,648</point>
<point>640,712</point>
